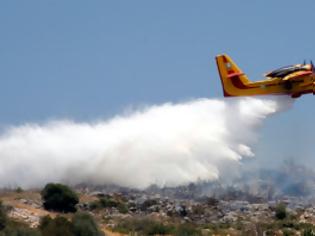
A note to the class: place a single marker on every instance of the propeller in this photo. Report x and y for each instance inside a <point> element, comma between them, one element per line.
<point>312,66</point>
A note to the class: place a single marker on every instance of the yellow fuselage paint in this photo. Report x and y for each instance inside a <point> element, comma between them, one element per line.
<point>236,83</point>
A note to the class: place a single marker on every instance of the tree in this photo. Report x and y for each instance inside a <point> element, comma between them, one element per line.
<point>281,211</point>
<point>59,197</point>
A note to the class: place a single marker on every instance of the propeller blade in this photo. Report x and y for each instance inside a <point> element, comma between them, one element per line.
<point>312,65</point>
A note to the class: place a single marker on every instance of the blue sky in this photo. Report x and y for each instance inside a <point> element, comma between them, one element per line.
<point>85,60</point>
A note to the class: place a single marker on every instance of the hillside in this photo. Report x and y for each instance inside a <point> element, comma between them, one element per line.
<point>174,211</point>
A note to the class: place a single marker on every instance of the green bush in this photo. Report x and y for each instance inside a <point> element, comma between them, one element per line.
<point>143,226</point>
<point>122,208</point>
<point>187,230</point>
<point>59,197</point>
<point>288,232</point>
<point>19,190</point>
<point>281,211</point>
<point>3,217</point>
<point>15,228</point>
<point>58,226</point>
<point>20,231</point>
<point>148,203</point>
<point>9,227</point>
<point>309,232</point>
<point>146,226</point>
<point>84,225</point>
<point>104,202</point>
<point>159,229</point>
<point>108,202</point>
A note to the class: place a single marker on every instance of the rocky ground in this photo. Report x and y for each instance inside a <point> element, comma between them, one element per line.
<point>247,206</point>
<point>211,216</point>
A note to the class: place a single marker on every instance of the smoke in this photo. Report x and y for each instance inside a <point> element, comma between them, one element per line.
<point>166,145</point>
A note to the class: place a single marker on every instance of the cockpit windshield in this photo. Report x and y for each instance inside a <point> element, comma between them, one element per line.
<point>286,70</point>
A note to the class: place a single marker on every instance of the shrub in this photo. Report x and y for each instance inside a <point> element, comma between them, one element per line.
<point>9,227</point>
<point>122,208</point>
<point>198,209</point>
<point>143,226</point>
<point>211,201</point>
<point>157,228</point>
<point>148,203</point>
<point>59,197</point>
<point>187,230</point>
<point>84,225</point>
<point>309,232</point>
<point>16,228</point>
<point>20,231</point>
<point>19,190</point>
<point>146,226</point>
<point>281,211</point>
<point>59,226</point>
<point>108,202</point>
<point>288,232</point>
<point>3,217</point>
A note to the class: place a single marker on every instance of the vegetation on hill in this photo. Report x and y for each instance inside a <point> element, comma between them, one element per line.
<point>281,211</point>
<point>109,202</point>
<point>146,226</point>
<point>59,197</point>
<point>82,224</point>
<point>137,214</point>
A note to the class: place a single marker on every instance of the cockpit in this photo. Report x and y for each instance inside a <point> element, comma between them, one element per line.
<point>286,70</point>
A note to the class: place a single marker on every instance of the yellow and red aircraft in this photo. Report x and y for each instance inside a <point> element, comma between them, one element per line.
<point>293,80</point>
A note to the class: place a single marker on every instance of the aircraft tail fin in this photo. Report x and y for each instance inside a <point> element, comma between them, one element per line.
<point>231,75</point>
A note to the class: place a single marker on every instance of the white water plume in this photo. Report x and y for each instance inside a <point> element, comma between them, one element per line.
<point>167,145</point>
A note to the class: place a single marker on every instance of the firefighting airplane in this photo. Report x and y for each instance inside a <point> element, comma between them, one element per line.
<point>293,80</point>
